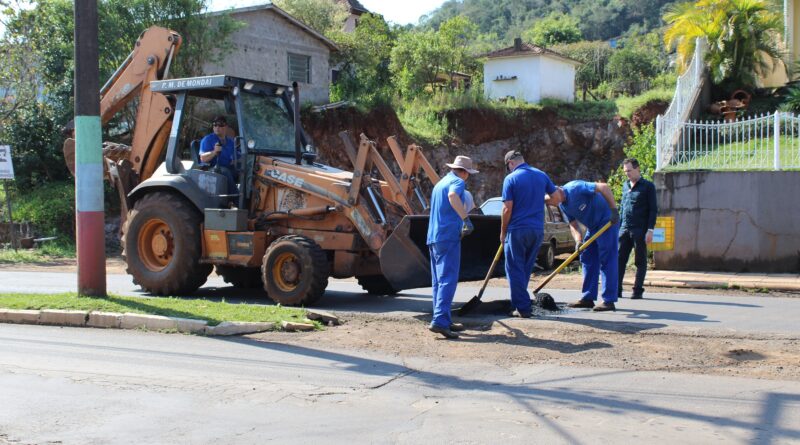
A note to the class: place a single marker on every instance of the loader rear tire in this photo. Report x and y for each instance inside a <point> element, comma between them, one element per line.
<point>241,277</point>
<point>161,245</point>
<point>376,285</point>
<point>295,271</point>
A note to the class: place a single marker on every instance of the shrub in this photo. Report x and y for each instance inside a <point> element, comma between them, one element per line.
<point>50,208</point>
<point>642,146</point>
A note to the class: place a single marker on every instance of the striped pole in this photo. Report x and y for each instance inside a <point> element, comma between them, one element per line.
<point>88,154</point>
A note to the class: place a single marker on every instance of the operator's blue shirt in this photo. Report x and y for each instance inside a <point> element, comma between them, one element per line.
<point>445,224</point>
<point>225,157</point>
<point>582,203</point>
<point>526,186</point>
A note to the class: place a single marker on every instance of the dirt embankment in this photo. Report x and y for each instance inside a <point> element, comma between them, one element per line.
<point>566,150</point>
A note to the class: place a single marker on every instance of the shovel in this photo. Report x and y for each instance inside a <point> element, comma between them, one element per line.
<point>476,300</point>
<point>572,257</point>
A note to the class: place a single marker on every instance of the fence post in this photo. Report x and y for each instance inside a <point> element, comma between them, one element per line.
<point>658,142</point>
<point>697,62</point>
<point>678,97</point>
<point>777,142</point>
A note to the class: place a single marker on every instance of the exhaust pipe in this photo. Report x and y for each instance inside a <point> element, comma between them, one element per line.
<point>298,155</point>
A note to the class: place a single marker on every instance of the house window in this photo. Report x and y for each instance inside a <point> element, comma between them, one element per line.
<point>299,68</point>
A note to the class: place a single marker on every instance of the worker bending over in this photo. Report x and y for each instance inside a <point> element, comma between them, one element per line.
<point>593,205</point>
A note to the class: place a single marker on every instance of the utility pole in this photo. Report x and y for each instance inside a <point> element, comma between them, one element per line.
<point>88,154</point>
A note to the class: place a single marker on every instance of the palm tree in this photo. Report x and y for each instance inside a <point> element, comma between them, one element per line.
<point>743,37</point>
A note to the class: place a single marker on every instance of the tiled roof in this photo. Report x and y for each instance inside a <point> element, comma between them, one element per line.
<point>357,6</point>
<point>525,50</point>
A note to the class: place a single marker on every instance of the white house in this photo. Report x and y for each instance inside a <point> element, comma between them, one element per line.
<point>529,72</point>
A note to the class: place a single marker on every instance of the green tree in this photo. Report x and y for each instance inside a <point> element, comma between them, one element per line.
<point>743,37</point>
<point>42,35</point>
<point>419,57</point>
<point>641,146</point>
<point>325,16</point>
<point>363,62</point>
<point>633,63</point>
<point>553,29</point>
<point>594,58</point>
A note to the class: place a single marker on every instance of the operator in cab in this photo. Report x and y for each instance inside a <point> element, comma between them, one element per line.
<point>217,150</point>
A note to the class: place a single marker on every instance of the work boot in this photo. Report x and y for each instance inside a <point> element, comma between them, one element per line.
<point>604,307</point>
<point>447,333</point>
<point>457,327</point>
<point>582,304</point>
<point>517,314</point>
<point>636,296</point>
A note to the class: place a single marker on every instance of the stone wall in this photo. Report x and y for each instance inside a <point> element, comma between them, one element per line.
<point>261,52</point>
<point>731,221</point>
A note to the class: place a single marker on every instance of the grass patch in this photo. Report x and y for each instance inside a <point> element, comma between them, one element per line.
<point>753,154</point>
<point>628,104</point>
<point>215,312</point>
<point>48,252</point>
<point>424,119</point>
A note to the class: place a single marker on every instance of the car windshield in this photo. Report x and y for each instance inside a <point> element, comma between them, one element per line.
<point>267,123</point>
<point>492,206</point>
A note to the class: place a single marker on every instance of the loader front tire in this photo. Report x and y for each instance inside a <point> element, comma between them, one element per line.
<point>161,245</point>
<point>241,277</point>
<point>376,285</point>
<point>295,271</point>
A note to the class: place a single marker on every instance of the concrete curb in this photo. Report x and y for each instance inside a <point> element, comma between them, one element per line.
<point>692,284</point>
<point>114,320</point>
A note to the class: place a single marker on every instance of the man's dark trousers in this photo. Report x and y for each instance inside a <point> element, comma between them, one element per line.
<point>633,239</point>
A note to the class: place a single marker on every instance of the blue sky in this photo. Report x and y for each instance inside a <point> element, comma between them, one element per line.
<point>398,11</point>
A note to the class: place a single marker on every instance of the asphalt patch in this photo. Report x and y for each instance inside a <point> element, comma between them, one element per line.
<point>503,308</point>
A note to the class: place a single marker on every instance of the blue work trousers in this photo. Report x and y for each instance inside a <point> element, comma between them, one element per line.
<point>445,264</point>
<point>521,247</point>
<point>601,259</point>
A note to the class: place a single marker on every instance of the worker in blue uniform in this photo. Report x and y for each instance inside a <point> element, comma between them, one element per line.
<point>449,223</point>
<point>593,205</point>
<point>217,150</point>
<point>522,226</point>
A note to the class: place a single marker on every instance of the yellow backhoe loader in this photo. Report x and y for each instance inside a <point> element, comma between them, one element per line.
<point>291,223</point>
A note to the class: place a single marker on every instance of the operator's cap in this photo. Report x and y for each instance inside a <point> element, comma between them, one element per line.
<point>463,163</point>
<point>220,119</point>
<point>512,154</point>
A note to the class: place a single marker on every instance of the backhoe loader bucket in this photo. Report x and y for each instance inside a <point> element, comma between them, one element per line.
<point>405,258</point>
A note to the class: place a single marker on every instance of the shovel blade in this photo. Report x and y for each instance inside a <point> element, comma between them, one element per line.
<point>469,306</point>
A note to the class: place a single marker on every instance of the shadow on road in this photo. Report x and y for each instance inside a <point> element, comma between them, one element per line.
<point>530,394</point>
<point>712,303</point>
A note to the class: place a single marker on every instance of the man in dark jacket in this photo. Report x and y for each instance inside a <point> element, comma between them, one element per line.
<point>638,210</point>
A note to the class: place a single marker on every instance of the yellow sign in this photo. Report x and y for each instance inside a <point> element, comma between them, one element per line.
<point>663,234</point>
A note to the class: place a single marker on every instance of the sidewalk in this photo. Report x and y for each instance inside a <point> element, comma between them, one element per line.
<point>717,280</point>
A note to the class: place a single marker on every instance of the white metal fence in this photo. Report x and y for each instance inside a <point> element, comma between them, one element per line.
<point>765,142</point>
<point>687,91</point>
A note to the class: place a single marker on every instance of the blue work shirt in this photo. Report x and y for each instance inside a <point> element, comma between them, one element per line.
<point>445,224</point>
<point>526,187</point>
<point>225,157</point>
<point>582,203</point>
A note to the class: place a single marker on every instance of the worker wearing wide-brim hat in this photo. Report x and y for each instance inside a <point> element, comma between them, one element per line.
<point>522,226</point>
<point>448,224</point>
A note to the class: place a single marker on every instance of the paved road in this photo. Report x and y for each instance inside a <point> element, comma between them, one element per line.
<point>87,386</point>
<point>702,312</point>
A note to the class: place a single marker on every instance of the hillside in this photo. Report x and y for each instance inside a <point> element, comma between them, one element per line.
<point>599,19</point>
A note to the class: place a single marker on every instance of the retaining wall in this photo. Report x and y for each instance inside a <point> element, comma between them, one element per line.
<point>731,221</point>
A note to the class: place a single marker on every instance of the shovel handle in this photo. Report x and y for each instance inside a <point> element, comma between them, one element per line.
<point>572,257</point>
<point>491,270</point>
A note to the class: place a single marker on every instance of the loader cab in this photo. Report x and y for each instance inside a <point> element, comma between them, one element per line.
<point>261,115</point>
